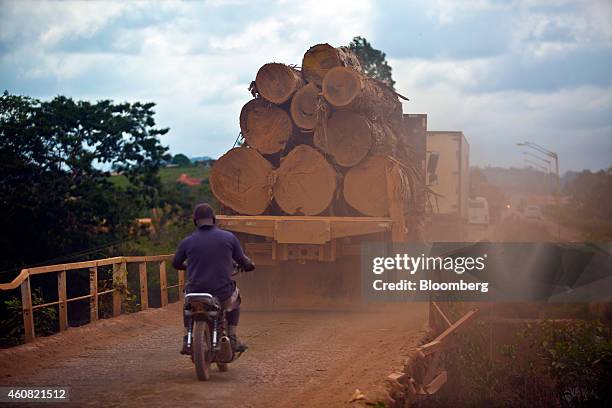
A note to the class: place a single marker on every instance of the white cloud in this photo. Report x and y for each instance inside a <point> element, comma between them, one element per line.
<point>195,60</point>
<point>50,22</point>
<point>568,121</point>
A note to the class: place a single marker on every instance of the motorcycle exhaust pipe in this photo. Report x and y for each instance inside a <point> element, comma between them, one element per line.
<point>225,353</point>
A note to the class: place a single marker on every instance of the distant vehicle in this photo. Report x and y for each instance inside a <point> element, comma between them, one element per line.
<point>533,212</point>
<point>448,152</point>
<point>478,211</point>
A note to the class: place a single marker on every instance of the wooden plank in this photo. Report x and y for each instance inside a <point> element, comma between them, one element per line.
<point>120,285</point>
<point>61,267</point>
<point>457,325</point>
<point>35,307</point>
<point>74,299</point>
<point>26,305</point>
<point>61,291</point>
<point>144,292</point>
<point>93,291</point>
<point>135,259</point>
<point>436,383</point>
<point>430,348</point>
<point>148,258</point>
<point>116,293</point>
<point>181,284</point>
<point>433,367</point>
<point>109,261</point>
<point>15,283</point>
<point>433,318</point>
<point>163,283</point>
<point>439,310</point>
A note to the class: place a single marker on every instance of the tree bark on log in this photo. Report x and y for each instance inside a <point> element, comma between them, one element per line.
<point>346,88</point>
<point>305,182</point>
<point>242,180</point>
<point>265,126</point>
<point>278,82</point>
<point>322,57</point>
<point>308,107</point>
<point>345,136</point>
<point>348,137</point>
<point>365,186</point>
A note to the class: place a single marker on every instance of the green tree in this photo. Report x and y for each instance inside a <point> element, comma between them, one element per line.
<point>591,193</point>
<point>374,61</point>
<point>181,160</point>
<point>55,161</point>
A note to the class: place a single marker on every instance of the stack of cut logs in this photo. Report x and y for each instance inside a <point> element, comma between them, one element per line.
<point>316,141</point>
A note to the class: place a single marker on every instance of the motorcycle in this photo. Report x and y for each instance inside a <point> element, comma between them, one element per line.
<point>207,336</point>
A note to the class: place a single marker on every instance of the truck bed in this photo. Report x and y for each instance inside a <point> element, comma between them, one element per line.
<point>303,229</point>
<point>301,238</point>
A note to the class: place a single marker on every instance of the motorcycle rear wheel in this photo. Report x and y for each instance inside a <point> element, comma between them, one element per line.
<point>201,349</point>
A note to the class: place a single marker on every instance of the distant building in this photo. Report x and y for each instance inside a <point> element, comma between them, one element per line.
<point>189,181</point>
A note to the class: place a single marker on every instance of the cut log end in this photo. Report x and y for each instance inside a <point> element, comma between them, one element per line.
<point>346,136</point>
<point>240,179</point>
<point>365,186</point>
<point>322,57</point>
<point>265,126</point>
<point>305,183</point>
<point>347,88</point>
<point>278,82</point>
<point>307,108</point>
<point>341,86</point>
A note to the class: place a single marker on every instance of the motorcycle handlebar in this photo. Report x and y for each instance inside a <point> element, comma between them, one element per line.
<point>239,269</point>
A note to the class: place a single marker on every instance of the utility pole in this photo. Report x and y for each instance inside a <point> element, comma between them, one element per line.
<point>548,163</point>
<point>536,165</point>
<point>555,156</point>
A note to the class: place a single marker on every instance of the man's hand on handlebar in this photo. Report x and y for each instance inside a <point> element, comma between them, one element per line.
<point>239,268</point>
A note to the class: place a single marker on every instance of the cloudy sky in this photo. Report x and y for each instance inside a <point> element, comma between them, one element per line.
<point>501,71</point>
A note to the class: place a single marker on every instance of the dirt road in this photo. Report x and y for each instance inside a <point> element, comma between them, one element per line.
<point>295,359</point>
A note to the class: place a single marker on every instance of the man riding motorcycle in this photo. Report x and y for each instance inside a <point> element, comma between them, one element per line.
<point>210,253</point>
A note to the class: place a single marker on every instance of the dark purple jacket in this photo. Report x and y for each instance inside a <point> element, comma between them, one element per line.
<point>210,253</point>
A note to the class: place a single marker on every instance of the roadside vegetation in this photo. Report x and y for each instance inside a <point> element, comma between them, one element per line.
<point>82,181</point>
<point>543,363</point>
<point>587,206</point>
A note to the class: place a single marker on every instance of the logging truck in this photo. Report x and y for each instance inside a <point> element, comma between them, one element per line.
<point>328,161</point>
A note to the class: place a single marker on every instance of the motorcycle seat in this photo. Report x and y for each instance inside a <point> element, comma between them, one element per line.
<point>205,298</point>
